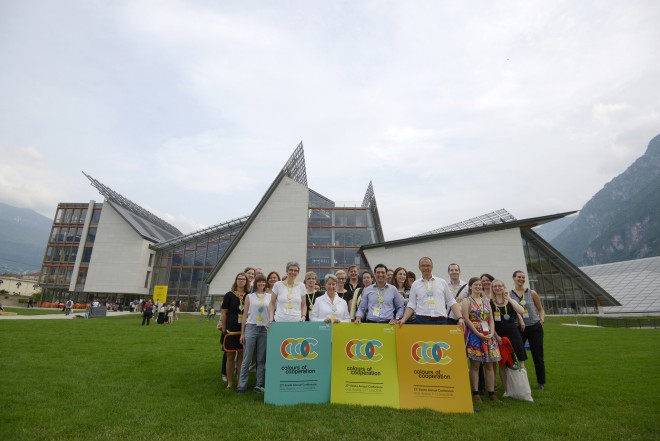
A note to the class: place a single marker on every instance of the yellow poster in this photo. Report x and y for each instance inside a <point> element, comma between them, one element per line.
<point>433,370</point>
<point>160,293</point>
<point>364,365</point>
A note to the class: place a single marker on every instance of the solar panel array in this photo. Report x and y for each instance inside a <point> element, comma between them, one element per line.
<point>495,217</point>
<point>634,283</point>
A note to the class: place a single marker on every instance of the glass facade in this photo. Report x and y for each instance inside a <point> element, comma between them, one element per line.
<point>559,290</point>
<point>184,265</point>
<point>62,250</point>
<point>335,235</point>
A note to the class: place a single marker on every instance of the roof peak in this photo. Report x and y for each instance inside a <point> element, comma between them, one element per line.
<point>134,208</point>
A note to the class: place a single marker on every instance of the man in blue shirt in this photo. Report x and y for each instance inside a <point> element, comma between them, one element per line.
<point>381,302</point>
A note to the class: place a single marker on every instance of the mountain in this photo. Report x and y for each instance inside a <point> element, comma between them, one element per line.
<point>622,220</point>
<point>23,238</point>
<point>553,229</point>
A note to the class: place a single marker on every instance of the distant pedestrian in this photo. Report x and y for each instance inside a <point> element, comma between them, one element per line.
<point>68,306</point>
<point>212,313</point>
<point>170,313</point>
<point>30,303</point>
<point>147,313</point>
<point>202,312</point>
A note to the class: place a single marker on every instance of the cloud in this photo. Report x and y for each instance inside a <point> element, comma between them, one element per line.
<point>26,180</point>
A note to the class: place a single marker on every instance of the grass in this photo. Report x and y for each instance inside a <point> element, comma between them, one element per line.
<point>110,378</point>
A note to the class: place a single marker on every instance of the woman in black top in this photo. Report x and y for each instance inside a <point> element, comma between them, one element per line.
<point>506,314</point>
<point>232,315</point>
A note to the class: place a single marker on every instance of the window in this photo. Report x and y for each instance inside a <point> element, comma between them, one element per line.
<point>87,255</point>
<point>146,279</point>
<point>91,236</point>
<point>151,261</point>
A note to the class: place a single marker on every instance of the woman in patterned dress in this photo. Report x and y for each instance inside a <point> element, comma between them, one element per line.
<point>480,343</point>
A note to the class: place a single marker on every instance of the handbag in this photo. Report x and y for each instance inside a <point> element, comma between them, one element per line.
<point>517,383</point>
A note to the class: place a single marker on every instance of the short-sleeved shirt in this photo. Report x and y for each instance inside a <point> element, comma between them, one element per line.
<point>288,309</point>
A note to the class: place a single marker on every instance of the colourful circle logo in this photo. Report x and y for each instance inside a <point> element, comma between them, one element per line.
<point>298,348</point>
<point>429,352</point>
<point>363,350</point>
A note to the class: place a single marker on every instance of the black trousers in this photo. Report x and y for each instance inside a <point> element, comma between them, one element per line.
<point>534,334</point>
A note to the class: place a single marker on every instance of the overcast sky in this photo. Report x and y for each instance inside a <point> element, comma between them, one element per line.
<point>452,109</point>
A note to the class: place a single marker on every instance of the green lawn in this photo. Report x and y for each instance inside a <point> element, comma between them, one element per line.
<point>110,378</point>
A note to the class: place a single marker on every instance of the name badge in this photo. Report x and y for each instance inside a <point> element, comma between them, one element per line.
<point>376,312</point>
<point>240,317</point>
<point>260,321</point>
<point>497,316</point>
<point>525,314</point>
<point>432,303</point>
<point>484,326</point>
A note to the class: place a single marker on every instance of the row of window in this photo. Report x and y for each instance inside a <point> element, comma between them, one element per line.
<point>56,275</point>
<point>71,235</point>
<point>76,216</point>
<point>66,254</point>
<point>340,218</point>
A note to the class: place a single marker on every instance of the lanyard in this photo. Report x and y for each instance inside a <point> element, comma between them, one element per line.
<point>506,312</point>
<point>381,295</point>
<point>310,299</point>
<point>289,296</point>
<point>482,308</point>
<point>429,291</point>
<point>240,301</point>
<point>261,299</point>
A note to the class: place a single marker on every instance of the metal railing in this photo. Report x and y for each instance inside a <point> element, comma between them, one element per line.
<point>629,322</point>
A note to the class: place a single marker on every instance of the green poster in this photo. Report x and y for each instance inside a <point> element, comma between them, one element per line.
<point>298,363</point>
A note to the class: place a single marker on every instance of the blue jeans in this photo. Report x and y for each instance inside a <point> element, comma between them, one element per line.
<point>255,336</point>
<point>422,320</point>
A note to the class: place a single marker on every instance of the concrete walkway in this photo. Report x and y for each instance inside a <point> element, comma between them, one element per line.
<point>61,316</point>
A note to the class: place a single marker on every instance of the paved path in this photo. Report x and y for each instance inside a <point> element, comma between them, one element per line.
<point>60,316</point>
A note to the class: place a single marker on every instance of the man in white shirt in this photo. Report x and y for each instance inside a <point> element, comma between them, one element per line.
<point>431,299</point>
<point>458,288</point>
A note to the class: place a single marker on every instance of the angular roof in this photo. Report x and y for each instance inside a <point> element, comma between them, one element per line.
<point>145,223</point>
<point>495,217</point>
<point>204,232</point>
<point>146,229</point>
<point>369,202</point>
<point>295,169</point>
<point>526,223</point>
<point>569,267</point>
<point>633,283</point>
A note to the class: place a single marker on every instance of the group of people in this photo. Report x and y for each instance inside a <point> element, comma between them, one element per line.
<point>166,312</point>
<point>482,307</point>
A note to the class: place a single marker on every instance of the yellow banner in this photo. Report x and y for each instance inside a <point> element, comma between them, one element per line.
<point>160,293</point>
<point>364,365</point>
<point>432,368</point>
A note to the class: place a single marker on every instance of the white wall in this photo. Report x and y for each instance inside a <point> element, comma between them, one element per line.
<point>498,253</point>
<point>119,258</point>
<point>277,235</point>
